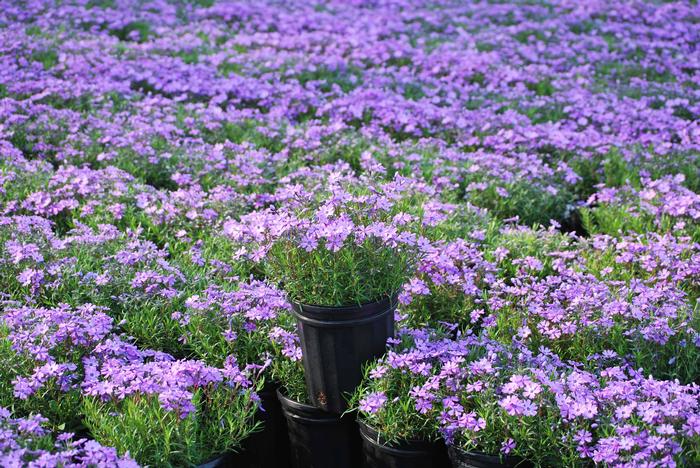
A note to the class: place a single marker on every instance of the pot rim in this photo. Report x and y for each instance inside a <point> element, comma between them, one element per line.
<point>294,408</point>
<point>350,313</point>
<point>502,459</point>
<point>214,462</point>
<point>383,298</point>
<point>408,445</point>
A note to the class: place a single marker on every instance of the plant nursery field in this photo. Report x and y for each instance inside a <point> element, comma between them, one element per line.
<point>349,233</point>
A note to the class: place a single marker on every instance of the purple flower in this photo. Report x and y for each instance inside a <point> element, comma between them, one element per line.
<point>373,402</point>
<point>507,446</point>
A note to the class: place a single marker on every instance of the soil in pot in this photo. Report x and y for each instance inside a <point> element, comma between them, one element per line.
<point>408,454</point>
<point>318,439</point>
<point>463,459</point>
<point>336,342</point>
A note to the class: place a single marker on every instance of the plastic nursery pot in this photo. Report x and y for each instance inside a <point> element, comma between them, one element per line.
<point>407,454</point>
<point>227,459</point>
<point>318,439</point>
<point>463,459</point>
<point>267,448</point>
<point>336,342</point>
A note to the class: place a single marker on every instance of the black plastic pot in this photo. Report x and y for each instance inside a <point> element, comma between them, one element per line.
<point>318,439</point>
<point>462,459</point>
<point>269,447</point>
<point>224,460</point>
<point>336,342</point>
<point>408,454</point>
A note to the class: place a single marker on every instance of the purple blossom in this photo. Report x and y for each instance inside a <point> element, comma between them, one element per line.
<point>373,402</point>
<point>20,439</point>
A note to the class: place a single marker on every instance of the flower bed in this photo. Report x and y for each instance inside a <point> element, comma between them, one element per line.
<point>472,228</point>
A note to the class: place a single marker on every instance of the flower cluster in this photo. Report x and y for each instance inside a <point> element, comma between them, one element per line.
<point>26,442</point>
<point>363,234</point>
<point>166,404</point>
<point>42,352</point>
<point>219,323</point>
<point>659,197</point>
<point>482,395</point>
<point>451,279</point>
<point>172,382</point>
<point>663,204</point>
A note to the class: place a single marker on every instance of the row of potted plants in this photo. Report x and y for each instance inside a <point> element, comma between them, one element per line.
<point>346,250</point>
<point>432,388</point>
<point>492,405</point>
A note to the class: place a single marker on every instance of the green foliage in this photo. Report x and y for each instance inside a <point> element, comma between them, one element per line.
<point>413,91</point>
<point>346,79</point>
<point>61,408</point>
<point>614,221</point>
<point>229,68</point>
<point>104,4</point>
<point>247,131</point>
<point>398,419</point>
<point>206,335</point>
<point>365,273</point>
<point>546,113</point>
<point>618,220</point>
<point>217,268</point>
<point>290,376</point>
<point>525,35</point>
<point>625,73</point>
<point>139,31</point>
<point>444,304</point>
<point>33,30</point>
<point>529,201</point>
<point>48,58</point>
<point>150,322</point>
<point>465,222</point>
<point>158,437</point>
<point>544,87</point>
<point>520,243</point>
<point>485,47</point>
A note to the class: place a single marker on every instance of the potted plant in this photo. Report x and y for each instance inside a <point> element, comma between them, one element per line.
<point>220,322</point>
<point>164,411</point>
<point>495,408</point>
<point>395,407</point>
<point>317,438</point>
<point>448,288</point>
<point>341,254</point>
<point>30,442</point>
<point>614,415</point>
<point>41,355</point>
